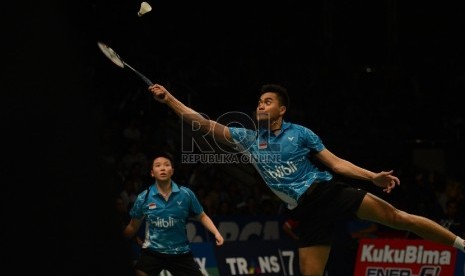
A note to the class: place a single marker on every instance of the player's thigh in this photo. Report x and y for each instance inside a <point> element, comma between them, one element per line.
<point>313,259</point>
<point>376,209</point>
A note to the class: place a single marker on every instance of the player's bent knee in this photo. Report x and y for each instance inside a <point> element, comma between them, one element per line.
<point>401,220</point>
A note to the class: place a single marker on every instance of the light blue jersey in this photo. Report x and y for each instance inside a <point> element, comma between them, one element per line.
<point>166,220</point>
<point>283,160</point>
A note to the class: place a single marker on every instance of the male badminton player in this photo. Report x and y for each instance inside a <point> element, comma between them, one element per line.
<point>311,193</point>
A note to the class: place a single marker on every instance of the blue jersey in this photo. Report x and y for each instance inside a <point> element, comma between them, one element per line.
<point>165,230</point>
<point>283,160</point>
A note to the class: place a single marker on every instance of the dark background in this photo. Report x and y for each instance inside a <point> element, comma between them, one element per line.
<point>376,79</point>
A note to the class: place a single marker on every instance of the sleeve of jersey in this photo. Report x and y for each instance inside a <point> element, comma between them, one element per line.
<point>195,206</point>
<point>242,136</point>
<point>136,210</point>
<point>312,140</point>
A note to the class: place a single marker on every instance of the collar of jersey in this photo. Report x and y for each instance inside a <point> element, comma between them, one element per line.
<point>285,125</point>
<point>174,188</point>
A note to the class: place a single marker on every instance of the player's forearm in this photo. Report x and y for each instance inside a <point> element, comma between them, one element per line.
<point>209,225</point>
<point>188,114</point>
<point>350,170</point>
<point>128,232</point>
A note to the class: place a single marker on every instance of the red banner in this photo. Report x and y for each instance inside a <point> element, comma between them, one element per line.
<point>395,257</point>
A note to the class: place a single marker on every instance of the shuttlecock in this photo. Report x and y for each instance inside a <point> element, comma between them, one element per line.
<point>144,8</point>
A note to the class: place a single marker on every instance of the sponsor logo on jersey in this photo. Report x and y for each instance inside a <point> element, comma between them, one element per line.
<point>283,170</point>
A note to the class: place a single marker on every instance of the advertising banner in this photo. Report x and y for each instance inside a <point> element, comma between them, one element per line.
<point>404,257</point>
<point>258,258</point>
<point>460,264</point>
<point>239,228</point>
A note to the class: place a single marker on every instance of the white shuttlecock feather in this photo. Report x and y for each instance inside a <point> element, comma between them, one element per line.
<point>144,8</point>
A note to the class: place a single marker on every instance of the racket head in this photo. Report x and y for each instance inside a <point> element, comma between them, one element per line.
<point>110,54</point>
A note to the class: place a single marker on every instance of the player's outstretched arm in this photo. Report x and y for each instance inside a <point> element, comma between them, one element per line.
<point>384,179</point>
<point>218,131</point>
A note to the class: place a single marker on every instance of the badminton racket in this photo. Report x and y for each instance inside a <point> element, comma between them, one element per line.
<point>116,59</point>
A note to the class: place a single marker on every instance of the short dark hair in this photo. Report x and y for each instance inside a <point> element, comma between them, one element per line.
<point>164,154</point>
<point>280,90</point>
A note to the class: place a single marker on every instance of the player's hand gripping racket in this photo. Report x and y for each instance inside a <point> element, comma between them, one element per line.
<point>116,59</point>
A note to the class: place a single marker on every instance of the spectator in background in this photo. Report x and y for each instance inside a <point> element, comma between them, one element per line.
<point>421,194</point>
<point>453,191</point>
<point>132,132</point>
<point>134,155</point>
<point>225,208</point>
<point>129,193</point>
<point>453,219</point>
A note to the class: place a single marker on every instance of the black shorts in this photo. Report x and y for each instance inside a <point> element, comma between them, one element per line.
<point>320,210</point>
<point>153,263</point>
